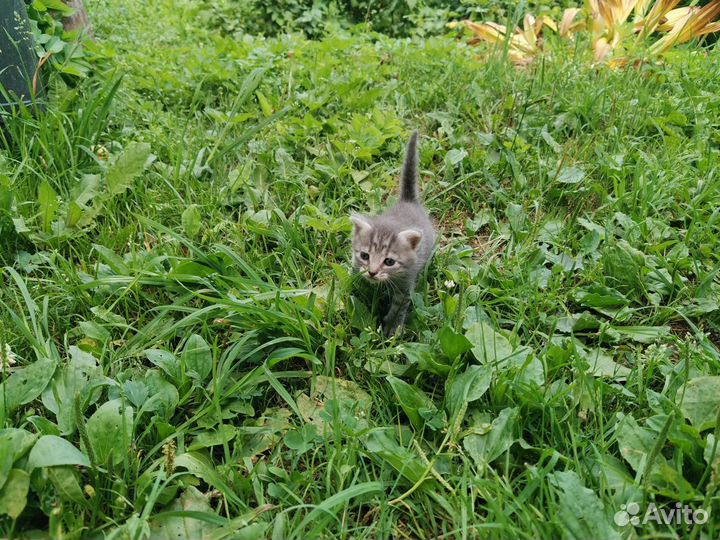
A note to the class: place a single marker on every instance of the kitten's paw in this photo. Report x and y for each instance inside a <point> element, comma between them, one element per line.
<point>392,328</point>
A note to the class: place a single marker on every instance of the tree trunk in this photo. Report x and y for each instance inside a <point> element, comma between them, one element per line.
<point>79,19</point>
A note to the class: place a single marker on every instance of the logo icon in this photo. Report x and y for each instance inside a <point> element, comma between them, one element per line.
<point>628,515</point>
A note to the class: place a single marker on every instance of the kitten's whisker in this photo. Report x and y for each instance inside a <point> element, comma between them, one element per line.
<point>393,286</point>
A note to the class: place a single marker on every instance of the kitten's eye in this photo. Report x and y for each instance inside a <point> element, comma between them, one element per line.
<point>389,262</point>
<point>364,255</point>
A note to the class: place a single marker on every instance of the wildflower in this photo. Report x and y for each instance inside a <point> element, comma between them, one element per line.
<point>100,151</point>
<point>7,357</point>
<point>449,284</point>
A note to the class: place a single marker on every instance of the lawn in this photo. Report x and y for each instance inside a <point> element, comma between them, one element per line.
<point>195,358</point>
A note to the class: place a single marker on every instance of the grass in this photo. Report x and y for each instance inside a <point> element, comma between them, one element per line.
<point>214,368</point>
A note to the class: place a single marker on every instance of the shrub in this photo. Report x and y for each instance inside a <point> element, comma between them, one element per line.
<point>61,50</point>
<point>392,17</point>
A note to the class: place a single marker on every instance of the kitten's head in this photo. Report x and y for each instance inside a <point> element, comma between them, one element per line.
<point>380,252</point>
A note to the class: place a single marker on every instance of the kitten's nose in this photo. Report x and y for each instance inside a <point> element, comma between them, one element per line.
<point>371,274</point>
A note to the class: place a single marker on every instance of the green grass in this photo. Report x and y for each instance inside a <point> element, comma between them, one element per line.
<point>197,338</point>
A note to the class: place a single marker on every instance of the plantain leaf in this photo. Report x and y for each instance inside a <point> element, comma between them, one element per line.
<point>51,450</point>
<point>164,396</point>
<point>66,483</point>
<point>26,384</point>
<point>570,175</point>
<point>452,343</point>
<point>185,527</point>
<point>191,220</point>
<point>71,379</point>
<point>166,361</point>
<point>419,408</point>
<point>381,444</point>
<point>491,440</point>
<point>581,512</point>
<point>110,431</point>
<point>466,387</point>
<point>425,358</point>
<point>489,346</point>
<point>701,402</point>
<point>127,167</point>
<point>637,444</point>
<point>197,357</point>
<point>13,495</point>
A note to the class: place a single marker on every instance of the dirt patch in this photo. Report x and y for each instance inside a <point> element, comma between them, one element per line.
<point>680,328</point>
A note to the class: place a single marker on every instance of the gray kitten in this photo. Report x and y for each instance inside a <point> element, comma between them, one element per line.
<point>394,247</point>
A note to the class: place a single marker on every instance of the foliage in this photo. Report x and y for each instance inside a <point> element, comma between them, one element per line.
<point>393,17</point>
<point>63,51</point>
<point>609,30</point>
<point>196,359</point>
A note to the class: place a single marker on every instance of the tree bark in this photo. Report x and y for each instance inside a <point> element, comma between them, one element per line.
<point>79,19</point>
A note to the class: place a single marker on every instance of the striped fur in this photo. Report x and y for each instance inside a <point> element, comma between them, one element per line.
<point>408,178</point>
<point>394,247</point>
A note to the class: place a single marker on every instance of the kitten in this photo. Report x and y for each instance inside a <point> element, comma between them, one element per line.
<point>394,247</point>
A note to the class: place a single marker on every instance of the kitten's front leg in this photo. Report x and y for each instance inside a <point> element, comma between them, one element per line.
<point>395,318</point>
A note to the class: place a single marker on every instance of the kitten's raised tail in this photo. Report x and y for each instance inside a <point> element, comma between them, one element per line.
<point>409,178</point>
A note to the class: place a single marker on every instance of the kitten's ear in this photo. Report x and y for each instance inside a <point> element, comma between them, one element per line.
<point>361,224</point>
<point>411,237</point>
